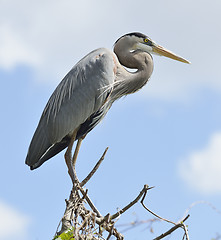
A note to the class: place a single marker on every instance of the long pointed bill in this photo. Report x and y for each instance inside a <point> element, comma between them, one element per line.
<point>157,49</point>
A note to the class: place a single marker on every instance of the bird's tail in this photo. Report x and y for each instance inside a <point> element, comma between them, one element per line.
<point>38,147</point>
<point>41,149</point>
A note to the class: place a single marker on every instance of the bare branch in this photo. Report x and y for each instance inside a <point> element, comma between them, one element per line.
<point>85,223</point>
<point>110,233</point>
<point>95,210</point>
<point>164,219</point>
<point>178,225</point>
<point>111,229</point>
<point>94,169</point>
<point>143,191</point>
<point>186,230</point>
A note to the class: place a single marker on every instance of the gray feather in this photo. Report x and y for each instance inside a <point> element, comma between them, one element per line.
<point>78,96</point>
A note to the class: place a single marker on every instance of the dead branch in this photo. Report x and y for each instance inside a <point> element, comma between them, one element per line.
<point>176,225</point>
<point>94,169</point>
<point>90,224</point>
<point>143,191</point>
<point>164,219</point>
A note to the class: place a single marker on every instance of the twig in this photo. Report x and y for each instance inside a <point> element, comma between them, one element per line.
<point>87,179</point>
<point>111,232</point>
<point>164,219</point>
<point>143,191</point>
<point>86,197</point>
<point>111,229</point>
<point>94,169</point>
<point>186,230</point>
<point>90,202</point>
<point>178,225</point>
<point>84,222</point>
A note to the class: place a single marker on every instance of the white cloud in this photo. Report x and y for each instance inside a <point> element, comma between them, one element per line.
<point>13,224</point>
<point>51,36</point>
<point>201,170</point>
<point>14,50</point>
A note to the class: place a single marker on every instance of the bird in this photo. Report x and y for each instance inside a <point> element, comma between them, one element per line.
<point>86,93</point>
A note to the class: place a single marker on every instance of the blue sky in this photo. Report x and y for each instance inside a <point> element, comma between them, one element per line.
<point>167,135</point>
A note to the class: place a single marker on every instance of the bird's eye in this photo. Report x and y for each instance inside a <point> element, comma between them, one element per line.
<point>146,40</point>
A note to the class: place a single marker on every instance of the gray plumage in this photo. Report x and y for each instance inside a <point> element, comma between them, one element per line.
<point>87,92</point>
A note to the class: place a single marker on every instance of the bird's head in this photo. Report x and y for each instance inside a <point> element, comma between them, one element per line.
<point>135,41</point>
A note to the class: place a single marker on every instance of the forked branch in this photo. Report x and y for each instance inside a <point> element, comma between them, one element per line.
<point>85,223</point>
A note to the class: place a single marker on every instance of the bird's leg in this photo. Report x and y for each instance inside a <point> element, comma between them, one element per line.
<point>76,151</point>
<point>71,168</point>
<point>68,157</point>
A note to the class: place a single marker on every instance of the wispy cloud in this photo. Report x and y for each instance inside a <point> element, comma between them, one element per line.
<point>201,169</point>
<point>13,223</point>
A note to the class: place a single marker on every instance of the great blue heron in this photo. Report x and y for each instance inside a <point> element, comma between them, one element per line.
<point>87,92</point>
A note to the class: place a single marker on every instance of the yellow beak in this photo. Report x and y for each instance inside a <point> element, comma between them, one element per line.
<point>157,49</point>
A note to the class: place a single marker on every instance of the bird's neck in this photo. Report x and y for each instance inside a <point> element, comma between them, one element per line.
<point>130,82</point>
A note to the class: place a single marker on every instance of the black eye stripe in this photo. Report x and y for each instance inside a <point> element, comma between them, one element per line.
<point>148,41</point>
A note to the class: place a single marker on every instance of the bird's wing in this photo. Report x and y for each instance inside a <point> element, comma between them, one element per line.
<point>81,93</point>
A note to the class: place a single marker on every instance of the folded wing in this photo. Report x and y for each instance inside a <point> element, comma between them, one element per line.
<point>79,96</point>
